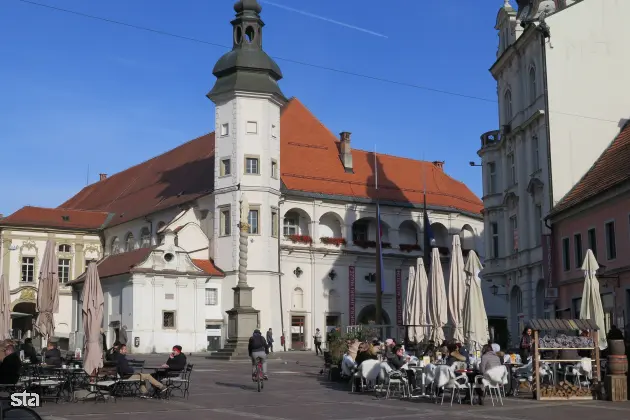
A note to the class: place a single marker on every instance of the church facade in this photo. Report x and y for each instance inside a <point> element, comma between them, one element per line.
<point>171,241</point>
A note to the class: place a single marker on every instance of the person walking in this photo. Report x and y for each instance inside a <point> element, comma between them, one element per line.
<point>318,341</point>
<point>270,340</point>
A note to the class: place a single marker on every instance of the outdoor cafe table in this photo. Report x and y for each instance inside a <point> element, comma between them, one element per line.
<point>512,381</point>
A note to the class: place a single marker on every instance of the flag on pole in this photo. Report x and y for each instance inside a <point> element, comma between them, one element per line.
<point>428,238</point>
<point>379,245</point>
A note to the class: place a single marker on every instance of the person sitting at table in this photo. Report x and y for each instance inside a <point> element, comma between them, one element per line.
<point>176,363</point>
<point>454,355</point>
<point>398,360</point>
<point>110,355</point>
<point>52,355</point>
<point>29,351</point>
<point>127,372</point>
<point>10,366</point>
<point>463,351</point>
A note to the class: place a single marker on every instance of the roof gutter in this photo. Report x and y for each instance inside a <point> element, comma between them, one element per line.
<point>545,33</point>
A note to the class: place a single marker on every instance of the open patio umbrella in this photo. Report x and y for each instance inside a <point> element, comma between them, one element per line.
<point>475,320</point>
<point>47,293</point>
<point>457,290</point>
<point>591,299</point>
<point>5,309</point>
<point>93,303</point>
<point>438,306</point>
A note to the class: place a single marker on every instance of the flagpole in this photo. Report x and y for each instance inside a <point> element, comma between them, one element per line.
<point>379,269</point>
<point>425,220</point>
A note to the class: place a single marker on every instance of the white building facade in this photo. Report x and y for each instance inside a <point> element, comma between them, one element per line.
<point>559,67</point>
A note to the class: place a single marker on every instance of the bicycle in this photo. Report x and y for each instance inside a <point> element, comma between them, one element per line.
<point>259,374</point>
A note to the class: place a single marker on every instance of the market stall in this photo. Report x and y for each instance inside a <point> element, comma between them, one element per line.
<point>553,336</point>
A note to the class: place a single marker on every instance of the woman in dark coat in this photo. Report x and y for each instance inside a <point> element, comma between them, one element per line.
<point>526,344</point>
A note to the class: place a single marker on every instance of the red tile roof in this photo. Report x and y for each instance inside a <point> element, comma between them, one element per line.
<point>399,179</point>
<point>187,173</point>
<point>176,177</point>
<point>56,218</point>
<point>610,169</point>
<point>209,268</point>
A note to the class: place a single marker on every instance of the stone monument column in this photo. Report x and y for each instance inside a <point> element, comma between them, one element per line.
<point>243,318</point>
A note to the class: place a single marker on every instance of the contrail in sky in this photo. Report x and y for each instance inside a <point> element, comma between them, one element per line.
<point>336,22</point>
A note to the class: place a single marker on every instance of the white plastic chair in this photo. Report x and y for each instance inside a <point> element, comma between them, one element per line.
<point>456,384</point>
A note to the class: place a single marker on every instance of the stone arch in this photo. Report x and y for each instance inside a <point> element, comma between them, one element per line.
<point>24,324</point>
<point>296,222</point>
<point>145,237</point>
<point>467,236</point>
<point>130,242</point>
<point>440,233</point>
<point>114,246</point>
<point>297,298</point>
<point>364,230</point>
<point>409,233</point>
<point>331,225</point>
<point>367,315</point>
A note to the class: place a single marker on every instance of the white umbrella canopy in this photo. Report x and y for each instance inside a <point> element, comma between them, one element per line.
<point>93,303</point>
<point>475,318</point>
<point>457,289</point>
<point>423,300</point>
<point>5,309</point>
<point>415,302</point>
<point>438,306</point>
<point>591,299</point>
<point>47,292</point>
<point>409,312</point>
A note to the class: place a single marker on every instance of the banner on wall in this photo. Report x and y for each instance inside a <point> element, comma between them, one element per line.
<point>399,308</point>
<point>351,290</point>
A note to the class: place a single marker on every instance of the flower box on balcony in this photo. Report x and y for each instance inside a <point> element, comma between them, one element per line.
<point>333,241</point>
<point>365,244</point>
<point>409,247</point>
<point>302,239</point>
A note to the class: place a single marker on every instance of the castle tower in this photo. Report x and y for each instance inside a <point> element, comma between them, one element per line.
<point>247,169</point>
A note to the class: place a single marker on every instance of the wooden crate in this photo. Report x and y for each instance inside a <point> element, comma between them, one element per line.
<point>616,387</point>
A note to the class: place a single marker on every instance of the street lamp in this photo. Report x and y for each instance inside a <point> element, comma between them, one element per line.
<point>495,291</point>
<point>471,163</point>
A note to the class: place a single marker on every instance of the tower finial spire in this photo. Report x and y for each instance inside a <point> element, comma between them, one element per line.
<point>243,6</point>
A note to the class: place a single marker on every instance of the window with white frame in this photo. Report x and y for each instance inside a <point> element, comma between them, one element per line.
<point>225,129</point>
<point>225,168</point>
<point>226,222</point>
<point>494,229</point>
<point>514,228</point>
<point>492,177</point>
<point>512,164</point>
<point>145,238</point>
<point>532,85</point>
<point>212,297</point>
<point>274,168</point>
<point>291,224</point>
<point>168,319</point>
<point>63,270</point>
<point>274,222</point>
<point>28,269</point>
<point>65,248</point>
<point>252,127</point>
<point>611,241</point>
<point>251,166</point>
<point>252,220</point>
<point>130,242</point>
<point>507,106</point>
<point>536,153</point>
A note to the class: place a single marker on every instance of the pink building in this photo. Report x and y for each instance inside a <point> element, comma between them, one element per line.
<point>595,214</point>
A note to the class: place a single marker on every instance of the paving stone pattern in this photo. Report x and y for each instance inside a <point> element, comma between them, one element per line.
<point>224,390</point>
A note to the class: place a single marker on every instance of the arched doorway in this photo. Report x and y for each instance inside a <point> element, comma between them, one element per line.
<point>367,316</point>
<point>23,323</point>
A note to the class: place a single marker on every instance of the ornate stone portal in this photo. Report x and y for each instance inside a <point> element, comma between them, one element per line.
<point>243,318</point>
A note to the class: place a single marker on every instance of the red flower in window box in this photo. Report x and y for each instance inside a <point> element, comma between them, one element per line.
<point>302,239</point>
<point>333,241</point>
<point>409,247</point>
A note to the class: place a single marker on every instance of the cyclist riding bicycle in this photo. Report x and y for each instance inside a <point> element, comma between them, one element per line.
<point>258,348</point>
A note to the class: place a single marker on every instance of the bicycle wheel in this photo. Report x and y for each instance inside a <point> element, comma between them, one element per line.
<point>259,376</point>
<point>21,413</point>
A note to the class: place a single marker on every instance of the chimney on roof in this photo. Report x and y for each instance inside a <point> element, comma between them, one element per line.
<point>102,177</point>
<point>439,164</point>
<point>345,151</point>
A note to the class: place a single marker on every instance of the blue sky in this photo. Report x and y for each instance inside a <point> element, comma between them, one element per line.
<point>79,92</point>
